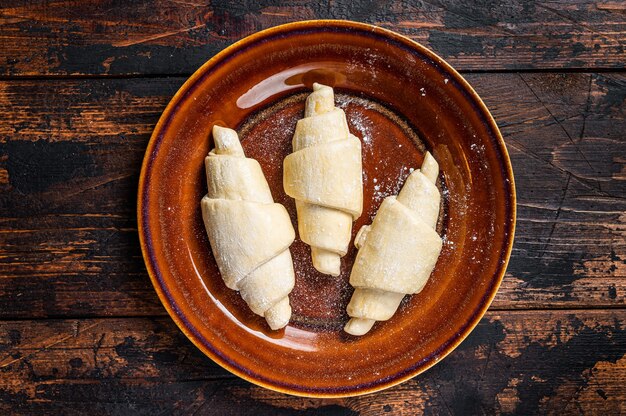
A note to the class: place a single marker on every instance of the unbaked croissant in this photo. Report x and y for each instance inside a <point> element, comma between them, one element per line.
<point>324,176</point>
<point>398,252</point>
<point>250,235</point>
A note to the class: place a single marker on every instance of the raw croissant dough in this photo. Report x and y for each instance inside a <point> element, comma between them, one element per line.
<point>398,252</point>
<point>323,175</point>
<point>250,234</point>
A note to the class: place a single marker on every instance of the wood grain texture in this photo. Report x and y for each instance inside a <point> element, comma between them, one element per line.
<point>70,154</point>
<point>537,362</point>
<point>176,37</point>
<point>70,151</point>
<point>564,133</point>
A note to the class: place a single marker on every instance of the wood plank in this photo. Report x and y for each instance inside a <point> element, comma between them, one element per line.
<point>70,168</point>
<point>70,153</point>
<point>565,137</point>
<point>525,362</point>
<point>176,37</point>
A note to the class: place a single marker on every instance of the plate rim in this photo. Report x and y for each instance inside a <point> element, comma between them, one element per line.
<point>193,334</point>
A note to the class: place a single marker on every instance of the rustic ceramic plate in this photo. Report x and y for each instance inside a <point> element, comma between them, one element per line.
<point>400,99</point>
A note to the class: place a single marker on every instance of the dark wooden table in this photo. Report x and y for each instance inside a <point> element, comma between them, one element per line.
<point>82,86</point>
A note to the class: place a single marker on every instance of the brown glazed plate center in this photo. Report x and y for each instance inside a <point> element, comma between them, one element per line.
<point>400,100</point>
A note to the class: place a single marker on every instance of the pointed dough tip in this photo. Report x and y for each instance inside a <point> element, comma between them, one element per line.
<point>320,101</point>
<point>359,326</point>
<point>226,141</point>
<point>359,240</point>
<point>217,129</point>
<point>278,316</point>
<point>430,167</point>
<point>325,261</point>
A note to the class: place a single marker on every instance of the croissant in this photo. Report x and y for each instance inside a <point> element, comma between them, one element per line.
<point>398,252</point>
<point>250,235</point>
<point>324,176</point>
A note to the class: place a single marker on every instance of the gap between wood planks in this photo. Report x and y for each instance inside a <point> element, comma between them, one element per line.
<point>557,308</point>
<point>51,77</point>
